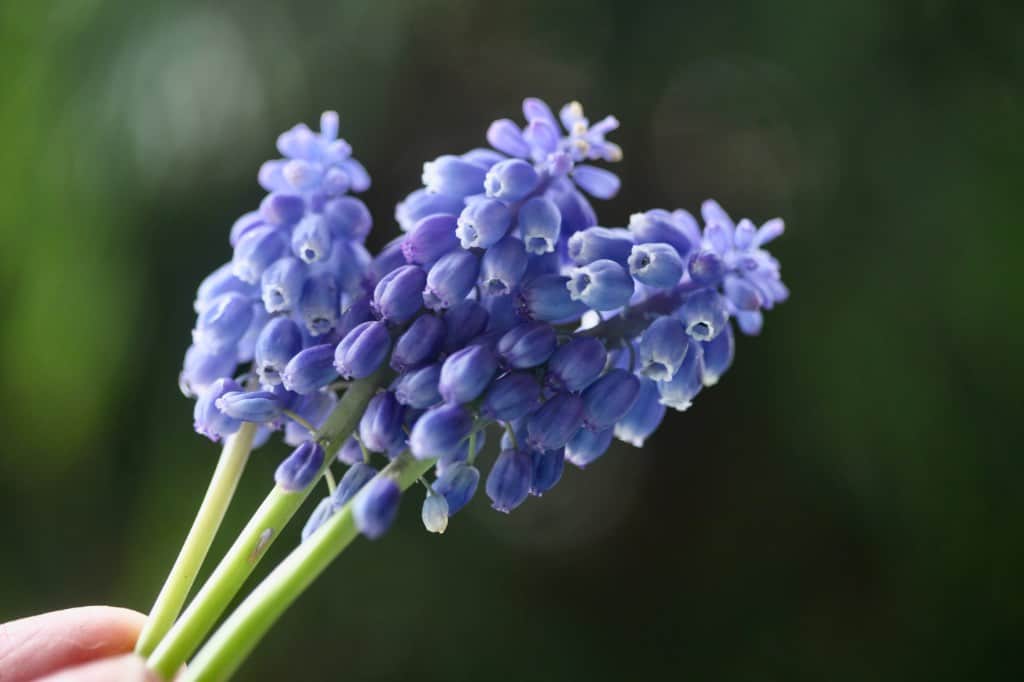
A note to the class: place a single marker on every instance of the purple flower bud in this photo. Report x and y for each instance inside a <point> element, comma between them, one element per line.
<point>656,265</point>
<point>585,446</point>
<point>704,314</point>
<point>354,314</point>
<point>742,293</point>
<point>375,507</point>
<point>314,408</point>
<point>510,180</point>
<point>483,223</point>
<point>310,369</point>
<point>347,218</point>
<point>431,237</point>
<point>457,484</point>
<point>505,136</point>
<point>551,426</point>
<point>209,420</point>
<point>706,268</point>
<point>687,382</point>
<point>249,221</point>
<point>466,373</point>
<point>250,406</point>
<point>768,231</point>
<point>311,239</point>
<point>421,203</point>
<point>247,344</point>
<point>277,343</point>
<point>540,224</point>
<point>357,476</point>
<point>718,354</point>
<point>512,396</point>
<point>546,298</point>
<point>387,259</point>
<point>483,157</point>
<point>450,279</point>
<point>577,213</point>
<point>597,243</point>
<point>282,209</point>
<point>547,470</point>
<point>255,251</point>
<point>282,283</point>
<point>418,388</point>
<point>543,264</point>
<point>542,136</point>
<point>348,264</point>
<point>576,364</point>
<point>300,468</point>
<point>397,297</point>
<point>658,225</point>
<point>601,285</point>
<point>750,322</point>
<point>202,368</point>
<point>527,345</point>
<point>350,451</point>
<point>519,428</point>
<point>453,176</point>
<point>223,323</point>
<point>461,453</point>
<point>503,266</point>
<point>508,484</point>
<point>271,177</point>
<point>319,304</point>
<point>380,428</point>
<point>439,431</point>
<point>362,350</point>
<point>435,513</point>
<point>597,182</point>
<point>220,281</point>
<point>662,348</point>
<point>420,344</point>
<point>609,398</point>
<point>502,313</point>
<point>319,516</point>
<point>643,418</point>
<point>463,321</point>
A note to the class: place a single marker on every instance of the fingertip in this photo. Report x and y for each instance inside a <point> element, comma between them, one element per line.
<point>38,645</point>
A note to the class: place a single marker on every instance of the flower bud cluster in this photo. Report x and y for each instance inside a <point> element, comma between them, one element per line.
<point>503,304</point>
<point>297,261</point>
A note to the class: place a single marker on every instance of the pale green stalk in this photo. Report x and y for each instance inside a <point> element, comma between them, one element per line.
<point>211,512</point>
<point>257,536</point>
<point>241,632</point>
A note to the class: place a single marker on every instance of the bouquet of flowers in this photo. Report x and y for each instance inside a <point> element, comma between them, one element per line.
<point>501,310</point>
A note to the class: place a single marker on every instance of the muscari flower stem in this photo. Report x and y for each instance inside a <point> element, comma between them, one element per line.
<point>263,528</point>
<point>241,632</point>
<point>208,519</point>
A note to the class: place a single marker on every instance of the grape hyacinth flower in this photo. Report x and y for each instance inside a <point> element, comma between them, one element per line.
<point>501,305</point>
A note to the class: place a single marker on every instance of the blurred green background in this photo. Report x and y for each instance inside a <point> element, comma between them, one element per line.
<point>845,506</point>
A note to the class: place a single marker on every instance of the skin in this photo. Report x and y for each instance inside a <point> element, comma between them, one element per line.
<point>87,644</point>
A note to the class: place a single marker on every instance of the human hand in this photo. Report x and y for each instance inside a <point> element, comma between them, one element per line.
<point>87,644</point>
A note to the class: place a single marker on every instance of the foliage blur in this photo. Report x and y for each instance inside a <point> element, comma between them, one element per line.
<point>844,506</point>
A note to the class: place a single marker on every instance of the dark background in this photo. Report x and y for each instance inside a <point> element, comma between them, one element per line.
<point>844,506</point>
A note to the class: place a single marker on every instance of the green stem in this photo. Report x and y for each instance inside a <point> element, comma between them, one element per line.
<point>208,519</point>
<point>257,536</point>
<point>241,632</point>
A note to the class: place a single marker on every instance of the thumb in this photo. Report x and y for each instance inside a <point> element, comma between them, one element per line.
<point>128,668</point>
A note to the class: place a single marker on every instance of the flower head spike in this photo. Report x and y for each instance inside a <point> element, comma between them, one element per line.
<point>502,303</point>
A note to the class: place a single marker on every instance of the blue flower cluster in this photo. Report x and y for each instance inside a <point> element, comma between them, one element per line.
<point>297,261</point>
<point>503,303</point>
